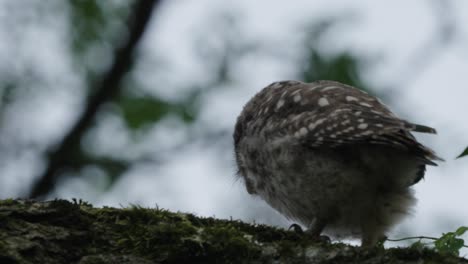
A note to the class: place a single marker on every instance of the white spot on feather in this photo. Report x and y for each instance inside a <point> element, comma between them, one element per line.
<point>365,104</point>
<point>320,121</point>
<point>351,98</point>
<point>368,132</point>
<point>312,88</point>
<point>303,131</point>
<point>323,102</point>
<point>363,126</point>
<point>328,88</point>
<point>297,98</point>
<point>312,126</point>
<point>296,91</point>
<point>280,104</point>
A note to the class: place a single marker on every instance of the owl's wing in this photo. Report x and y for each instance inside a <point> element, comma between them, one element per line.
<point>360,127</point>
<point>330,114</point>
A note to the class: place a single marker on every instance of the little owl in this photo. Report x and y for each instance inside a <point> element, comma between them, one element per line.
<point>331,157</point>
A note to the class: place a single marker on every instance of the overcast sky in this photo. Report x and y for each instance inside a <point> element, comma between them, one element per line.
<point>200,178</point>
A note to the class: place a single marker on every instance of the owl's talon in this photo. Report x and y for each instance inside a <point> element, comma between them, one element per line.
<point>319,238</point>
<point>296,228</point>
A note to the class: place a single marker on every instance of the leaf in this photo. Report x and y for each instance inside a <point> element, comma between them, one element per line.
<point>418,246</point>
<point>448,243</point>
<point>461,230</point>
<point>141,111</point>
<point>92,21</point>
<point>464,153</point>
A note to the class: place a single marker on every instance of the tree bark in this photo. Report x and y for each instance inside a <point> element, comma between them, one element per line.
<point>60,231</point>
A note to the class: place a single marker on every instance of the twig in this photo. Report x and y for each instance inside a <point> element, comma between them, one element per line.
<point>416,237</point>
<point>408,238</point>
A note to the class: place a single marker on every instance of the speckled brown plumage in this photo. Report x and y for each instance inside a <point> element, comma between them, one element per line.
<point>330,156</point>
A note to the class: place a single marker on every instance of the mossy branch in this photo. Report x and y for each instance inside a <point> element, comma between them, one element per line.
<point>74,232</point>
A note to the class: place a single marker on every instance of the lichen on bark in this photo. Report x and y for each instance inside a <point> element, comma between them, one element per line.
<point>61,231</point>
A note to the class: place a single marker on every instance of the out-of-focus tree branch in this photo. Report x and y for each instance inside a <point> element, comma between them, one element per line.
<point>106,89</point>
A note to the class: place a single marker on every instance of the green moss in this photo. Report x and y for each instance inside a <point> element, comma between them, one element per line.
<point>60,231</point>
<point>7,202</point>
<point>150,232</point>
<point>227,243</point>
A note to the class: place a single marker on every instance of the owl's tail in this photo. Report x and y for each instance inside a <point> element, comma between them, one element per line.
<point>429,155</point>
<point>420,128</point>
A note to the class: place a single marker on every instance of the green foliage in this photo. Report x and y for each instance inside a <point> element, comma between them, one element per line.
<point>96,29</point>
<point>91,21</point>
<point>87,20</point>
<point>139,112</point>
<point>418,245</point>
<point>450,242</point>
<point>464,153</point>
<point>338,66</point>
<point>341,67</point>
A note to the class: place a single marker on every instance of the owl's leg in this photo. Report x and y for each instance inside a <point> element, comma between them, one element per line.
<point>388,208</point>
<point>316,228</point>
<point>372,233</point>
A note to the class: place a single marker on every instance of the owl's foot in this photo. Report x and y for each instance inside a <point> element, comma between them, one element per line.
<point>318,238</point>
<point>310,233</point>
<point>296,228</point>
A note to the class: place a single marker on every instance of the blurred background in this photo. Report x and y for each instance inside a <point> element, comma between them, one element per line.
<point>163,136</point>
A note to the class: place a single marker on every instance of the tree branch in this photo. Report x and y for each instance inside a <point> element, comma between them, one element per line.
<point>63,232</point>
<point>107,88</point>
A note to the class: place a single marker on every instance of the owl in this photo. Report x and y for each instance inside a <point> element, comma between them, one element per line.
<point>331,157</point>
